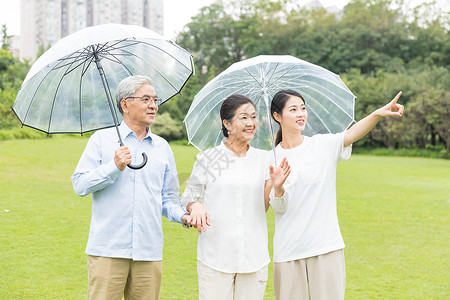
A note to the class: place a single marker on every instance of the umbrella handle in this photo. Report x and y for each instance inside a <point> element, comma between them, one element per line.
<point>137,167</point>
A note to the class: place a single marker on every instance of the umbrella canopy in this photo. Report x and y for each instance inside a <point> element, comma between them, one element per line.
<point>330,104</point>
<point>67,88</point>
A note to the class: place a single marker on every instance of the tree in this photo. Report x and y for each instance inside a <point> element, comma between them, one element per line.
<point>209,38</point>
<point>429,118</point>
<point>12,74</point>
<point>5,38</point>
<point>167,127</point>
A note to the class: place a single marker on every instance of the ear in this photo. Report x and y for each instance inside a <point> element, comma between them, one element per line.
<point>226,124</point>
<point>124,105</point>
<point>277,117</point>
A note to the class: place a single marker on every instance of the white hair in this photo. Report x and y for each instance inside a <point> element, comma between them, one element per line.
<point>128,87</point>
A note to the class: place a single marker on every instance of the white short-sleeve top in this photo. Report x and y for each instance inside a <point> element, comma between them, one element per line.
<point>310,227</point>
<point>232,190</point>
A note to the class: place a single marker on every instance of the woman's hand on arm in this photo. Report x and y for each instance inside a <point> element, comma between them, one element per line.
<point>364,126</point>
<point>199,216</point>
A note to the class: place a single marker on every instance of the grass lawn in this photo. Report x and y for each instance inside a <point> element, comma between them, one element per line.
<point>394,215</point>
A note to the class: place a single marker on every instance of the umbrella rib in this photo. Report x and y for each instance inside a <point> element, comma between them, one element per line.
<point>132,43</point>
<point>209,111</point>
<point>137,42</point>
<point>35,92</point>
<point>132,54</point>
<point>283,74</point>
<point>318,103</point>
<point>83,71</point>
<point>302,75</point>
<point>80,54</point>
<point>112,45</point>
<point>112,110</point>
<point>160,49</point>
<point>224,86</point>
<point>85,68</point>
<point>56,92</point>
<point>187,68</point>
<point>72,69</point>
<point>319,91</point>
<point>69,69</point>
<point>79,97</point>
<point>253,77</point>
<point>53,103</point>
<point>274,69</point>
<point>127,53</point>
<point>117,61</point>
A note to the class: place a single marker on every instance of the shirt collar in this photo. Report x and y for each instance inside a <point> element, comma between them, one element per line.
<point>229,152</point>
<point>125,131</point>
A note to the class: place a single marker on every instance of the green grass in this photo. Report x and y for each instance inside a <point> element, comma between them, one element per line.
<point>393,212</point>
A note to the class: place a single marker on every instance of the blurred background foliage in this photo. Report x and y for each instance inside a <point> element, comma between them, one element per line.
<point>378,47</point>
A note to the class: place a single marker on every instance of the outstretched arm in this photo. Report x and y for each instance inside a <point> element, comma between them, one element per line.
<point>364,126</point>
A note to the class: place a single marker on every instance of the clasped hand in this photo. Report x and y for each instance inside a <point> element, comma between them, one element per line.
<point>198,216</point>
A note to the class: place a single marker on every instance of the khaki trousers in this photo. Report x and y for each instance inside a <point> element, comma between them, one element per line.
<point>319,277</point>
<point>216,285</point>
<point>112,278</point>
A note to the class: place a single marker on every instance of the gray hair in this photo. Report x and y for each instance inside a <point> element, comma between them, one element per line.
<point>128,87</point>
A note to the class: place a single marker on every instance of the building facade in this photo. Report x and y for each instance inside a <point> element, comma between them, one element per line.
<point>44,22</point>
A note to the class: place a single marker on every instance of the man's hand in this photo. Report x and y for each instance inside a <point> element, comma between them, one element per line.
<point>122,157</point>
<point>199,216</point>
<point>186,219</point>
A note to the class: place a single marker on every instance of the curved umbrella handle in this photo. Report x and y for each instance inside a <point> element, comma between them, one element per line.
<point>140,166</point>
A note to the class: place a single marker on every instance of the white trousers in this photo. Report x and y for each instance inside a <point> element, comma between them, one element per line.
<point>216,285</point>
<point>319,277</point>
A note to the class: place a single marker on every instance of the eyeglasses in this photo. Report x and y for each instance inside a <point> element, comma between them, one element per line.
<point>147,99</point>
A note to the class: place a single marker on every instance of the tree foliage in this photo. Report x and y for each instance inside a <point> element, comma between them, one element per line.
<point>5,37</point>
<point>376,46</point>
<point>12,73</point>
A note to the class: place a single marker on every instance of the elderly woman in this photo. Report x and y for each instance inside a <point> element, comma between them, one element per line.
<point>308,246</point>
<point>234,182</point>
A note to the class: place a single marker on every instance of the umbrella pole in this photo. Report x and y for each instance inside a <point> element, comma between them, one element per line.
<point>108,95</point>
<point>113,113</point>
<point>266,100</point>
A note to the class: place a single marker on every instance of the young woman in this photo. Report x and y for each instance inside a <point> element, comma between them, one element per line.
<point>308,246</point>
<point>233,181</point>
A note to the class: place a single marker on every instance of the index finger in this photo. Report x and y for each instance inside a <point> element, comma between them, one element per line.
<point>394,101</point>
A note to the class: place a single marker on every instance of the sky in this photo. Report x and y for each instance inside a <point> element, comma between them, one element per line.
<point>177,13</point>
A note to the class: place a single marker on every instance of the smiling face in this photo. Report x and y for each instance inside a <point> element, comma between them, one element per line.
<point>243,124</point>
<point>294,115</point>
<point>138,113</point>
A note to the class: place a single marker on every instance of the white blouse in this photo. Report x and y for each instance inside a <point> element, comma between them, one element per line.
<point>232,190</point>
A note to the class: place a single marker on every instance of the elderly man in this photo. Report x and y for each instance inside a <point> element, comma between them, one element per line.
<point>125,237</point>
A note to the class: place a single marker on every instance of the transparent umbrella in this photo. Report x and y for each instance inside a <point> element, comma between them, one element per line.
<point>329,102</point>
<point>68,89</point>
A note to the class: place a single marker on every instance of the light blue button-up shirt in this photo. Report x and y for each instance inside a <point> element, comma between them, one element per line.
<point>127,206</point>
